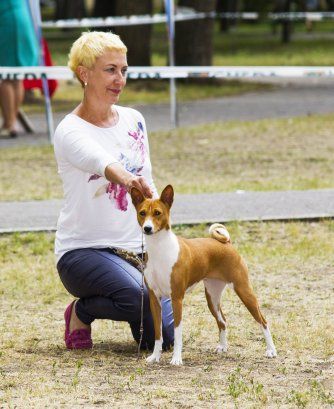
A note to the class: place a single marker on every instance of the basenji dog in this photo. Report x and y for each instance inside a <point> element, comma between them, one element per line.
<point>174,264</point>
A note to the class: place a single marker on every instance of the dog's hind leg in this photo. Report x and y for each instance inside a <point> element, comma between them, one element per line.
<point>213,292</point>
<point>247,296</point>
<point>155,305</point>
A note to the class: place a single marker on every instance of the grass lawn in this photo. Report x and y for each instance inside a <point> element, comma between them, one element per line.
<point>273,154</point>
<point>291,265</point>
<point>69,93</point>
<point>256,45</point>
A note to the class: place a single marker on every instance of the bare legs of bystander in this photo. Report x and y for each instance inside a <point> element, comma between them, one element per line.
<point>11,97</point>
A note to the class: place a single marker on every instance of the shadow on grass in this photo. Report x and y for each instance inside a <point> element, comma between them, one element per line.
<point>102,349</point>
<point>126,353</point>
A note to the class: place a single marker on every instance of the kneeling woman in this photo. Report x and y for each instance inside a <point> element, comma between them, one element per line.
<point>102,152</point>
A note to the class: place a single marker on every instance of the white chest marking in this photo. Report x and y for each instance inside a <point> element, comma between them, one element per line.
<point>163,252</point>
<point>190,289</point>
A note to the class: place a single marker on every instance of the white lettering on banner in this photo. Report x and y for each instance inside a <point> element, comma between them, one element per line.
<point>143,75</point>
<point>37,72</point>
<point>18,76</point>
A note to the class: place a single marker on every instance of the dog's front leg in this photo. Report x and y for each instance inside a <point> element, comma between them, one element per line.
<point>155,304</point>
<point>177,311</point>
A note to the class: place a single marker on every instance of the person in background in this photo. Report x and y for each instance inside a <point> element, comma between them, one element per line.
<point>18,47</point>
<point>102,152</point>
<point>311,6</point>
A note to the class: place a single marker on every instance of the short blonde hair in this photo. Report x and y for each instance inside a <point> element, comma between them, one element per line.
<point>91,45</point>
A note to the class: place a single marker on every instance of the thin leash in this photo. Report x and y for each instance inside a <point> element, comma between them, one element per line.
<point>141,330</point>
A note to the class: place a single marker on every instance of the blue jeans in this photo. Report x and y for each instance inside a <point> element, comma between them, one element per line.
<point>108,287</point>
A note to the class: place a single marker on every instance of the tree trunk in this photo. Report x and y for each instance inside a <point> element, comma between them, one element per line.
<point>136,38</point>
<point>226,6</point>
<point>104,8</point>
<point>284,6</point>
<point>286,24</point>
<point>194,39</point>
<point>70,9</point>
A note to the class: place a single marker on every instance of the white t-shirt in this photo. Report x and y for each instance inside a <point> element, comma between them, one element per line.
<point>98,213</point>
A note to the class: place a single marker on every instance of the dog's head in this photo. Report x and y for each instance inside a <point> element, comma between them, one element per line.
<point>153,214</point>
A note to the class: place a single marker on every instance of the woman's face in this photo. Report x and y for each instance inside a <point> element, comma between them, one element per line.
<point>107,78</point>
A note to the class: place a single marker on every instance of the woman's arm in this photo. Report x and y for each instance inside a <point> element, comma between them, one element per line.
<point>85,154</point>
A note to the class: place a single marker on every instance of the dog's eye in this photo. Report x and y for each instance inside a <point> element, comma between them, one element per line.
<point>157,213</point>
<point>142,213</point>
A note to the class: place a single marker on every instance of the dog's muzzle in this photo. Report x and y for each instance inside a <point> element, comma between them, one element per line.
<point>148,227</point>
<point>148,230</point>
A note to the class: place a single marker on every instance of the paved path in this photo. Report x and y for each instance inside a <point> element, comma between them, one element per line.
<point>189,209</point>
<point>299,98</point>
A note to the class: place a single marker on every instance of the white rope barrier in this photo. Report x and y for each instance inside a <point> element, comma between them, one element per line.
<point>241,16</point>
<point>230,72</point>
<point>312,16</point>
<point>143,19</point>
<point>233,72</point>
<point>182,16</point>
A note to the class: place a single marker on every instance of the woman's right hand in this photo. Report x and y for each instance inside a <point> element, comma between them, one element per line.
<point>139,182</point>
<point>116,173</point>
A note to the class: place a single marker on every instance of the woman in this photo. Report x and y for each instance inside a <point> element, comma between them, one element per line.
<point>102,152</point>
<point>18,47</point>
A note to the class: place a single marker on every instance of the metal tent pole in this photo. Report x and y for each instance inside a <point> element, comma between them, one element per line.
<point>169,6</point>
<point>37,20</point>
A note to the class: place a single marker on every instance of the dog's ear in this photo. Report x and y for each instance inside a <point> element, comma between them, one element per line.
<point>167,196</point>
<point>136,196</point>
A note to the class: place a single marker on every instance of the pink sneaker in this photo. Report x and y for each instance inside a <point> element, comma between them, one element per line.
<point>79,338</point>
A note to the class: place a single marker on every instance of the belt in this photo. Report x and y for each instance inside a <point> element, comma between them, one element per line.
<point>136,260</point>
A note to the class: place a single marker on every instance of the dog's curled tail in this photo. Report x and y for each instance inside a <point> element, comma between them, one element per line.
<point>219,232</point>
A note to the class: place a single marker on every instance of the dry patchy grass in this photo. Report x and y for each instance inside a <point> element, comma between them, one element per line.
<point>29,173</point>
<point>278,154</point>
<point>291,266</point>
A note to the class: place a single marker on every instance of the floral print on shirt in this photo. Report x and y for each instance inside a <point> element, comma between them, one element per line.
<point>118,193</point>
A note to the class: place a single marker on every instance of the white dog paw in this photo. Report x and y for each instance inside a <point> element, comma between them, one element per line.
<point>221,349</point>
<point>176,360</point>
<point>271,353</point>
<point>153,358</point>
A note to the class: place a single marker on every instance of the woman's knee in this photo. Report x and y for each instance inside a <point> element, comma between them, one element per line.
<point>143,294</point>
<point>131,300</point>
